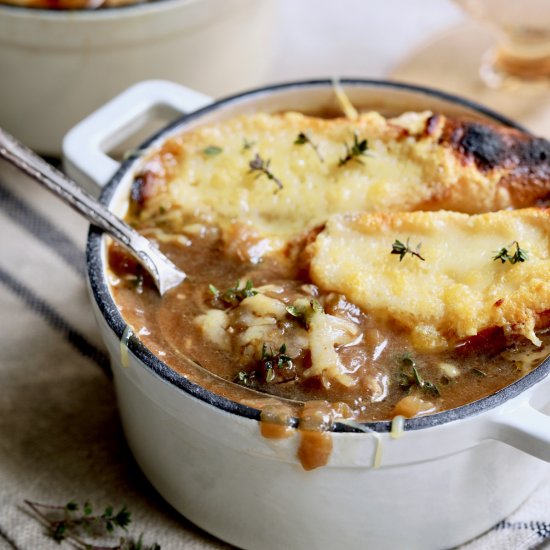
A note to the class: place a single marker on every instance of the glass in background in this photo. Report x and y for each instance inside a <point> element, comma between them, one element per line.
<point>521,53</point>
<point>499,57</point>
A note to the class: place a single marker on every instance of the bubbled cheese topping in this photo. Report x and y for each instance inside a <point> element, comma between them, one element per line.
<point>458,290</point>
<point>206,175</point>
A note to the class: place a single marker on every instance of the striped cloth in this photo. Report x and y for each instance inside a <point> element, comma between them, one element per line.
<point>60,436</point>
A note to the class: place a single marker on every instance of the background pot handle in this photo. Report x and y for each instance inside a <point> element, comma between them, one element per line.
<point>84,147</point>
<point>525,428</point>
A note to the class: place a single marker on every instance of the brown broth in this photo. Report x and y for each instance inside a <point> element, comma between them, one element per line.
<point>380,361</point>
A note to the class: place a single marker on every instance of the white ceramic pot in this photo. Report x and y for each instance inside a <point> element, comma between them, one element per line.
<point>59,66</point>
<point>448,478</point>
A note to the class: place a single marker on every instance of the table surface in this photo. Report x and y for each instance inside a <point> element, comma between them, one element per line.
<point>60,436</point>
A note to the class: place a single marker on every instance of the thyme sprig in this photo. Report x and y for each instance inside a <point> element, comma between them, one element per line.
<point>302,138</point>
<point>75,523</point>
<point>304,309</point>
<point>245,378</point>
<point>410,378</point>
<point>403,249</point>
<point>354,151</point>
<point>235,295</point>
<point>520,254</point>
<point>270,360</point>
<point>258,164</point>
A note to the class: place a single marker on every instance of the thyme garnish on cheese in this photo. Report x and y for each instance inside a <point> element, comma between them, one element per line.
<point>235,295</point>
<point>303,138</point>
<point>354,151</point>
<point>520,254</point>
<point>258,164</point>
<point>403,249</point>
<point>212,150</point>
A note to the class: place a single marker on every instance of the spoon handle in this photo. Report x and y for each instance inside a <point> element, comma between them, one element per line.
<point>165,274</point>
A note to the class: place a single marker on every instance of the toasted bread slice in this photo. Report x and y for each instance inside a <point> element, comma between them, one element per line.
<point>447,286</point>
<point>283,174</point>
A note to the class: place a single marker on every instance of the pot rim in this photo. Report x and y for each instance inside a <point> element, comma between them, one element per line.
<point>105,302</point>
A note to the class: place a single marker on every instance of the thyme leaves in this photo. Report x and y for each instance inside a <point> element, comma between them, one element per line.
<point>410,377</point>
<point>233,296</point>
<point>403,249</point>
<point>78,524</point>
<point>245,378</point>
<point>272,365</point>
<point>271,360</point>
<point>519,255</point>
<point>302,139</point>
<point>355,151</point>
<point>261,166</point>
<point>303,310</point>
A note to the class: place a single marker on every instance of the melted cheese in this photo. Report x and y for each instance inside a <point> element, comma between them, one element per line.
<point>325,333</point>
<point>260,320</point>
<point>458,290</point>
<point>404,169</point>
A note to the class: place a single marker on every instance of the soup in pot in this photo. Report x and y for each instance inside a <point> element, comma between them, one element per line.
<point>378,267</point>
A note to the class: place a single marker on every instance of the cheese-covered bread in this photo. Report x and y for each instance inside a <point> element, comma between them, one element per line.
<point>450,275</point>
<point>273,176</point>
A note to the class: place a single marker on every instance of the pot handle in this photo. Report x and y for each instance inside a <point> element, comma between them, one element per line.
<point>84,146</point>
<point>524,428</point>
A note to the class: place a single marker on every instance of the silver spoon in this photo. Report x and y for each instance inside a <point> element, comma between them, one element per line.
<point>165,274</point>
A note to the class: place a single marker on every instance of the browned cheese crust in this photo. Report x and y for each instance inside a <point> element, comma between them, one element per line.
<point>522,160</point>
